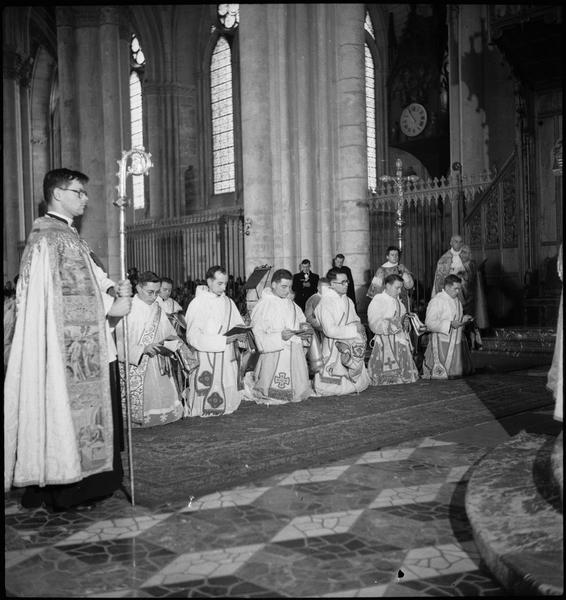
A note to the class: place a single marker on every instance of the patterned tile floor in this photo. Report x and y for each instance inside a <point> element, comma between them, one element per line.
<point>385,523</point>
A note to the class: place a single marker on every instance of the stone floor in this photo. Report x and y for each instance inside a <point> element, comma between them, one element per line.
<point>389,522</point>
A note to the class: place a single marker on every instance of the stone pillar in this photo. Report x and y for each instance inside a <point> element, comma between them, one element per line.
<point>304,147</point>
<point>466,33</point>
<point>68,108</point>
<point>15,74</point>
<point>351,214</point>
<point>258,71</point>
<point>92,117</point>
<point>114,69</point>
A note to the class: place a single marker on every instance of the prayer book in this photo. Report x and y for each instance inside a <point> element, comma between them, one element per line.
<point>238,329</point>
<point>417,324</point>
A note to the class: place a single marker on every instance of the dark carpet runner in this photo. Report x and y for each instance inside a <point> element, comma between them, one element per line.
<point>193,457</point>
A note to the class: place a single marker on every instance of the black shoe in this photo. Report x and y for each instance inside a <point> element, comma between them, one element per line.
<point>32,497</point>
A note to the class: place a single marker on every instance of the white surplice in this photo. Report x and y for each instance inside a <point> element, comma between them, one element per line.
<point>391,360</point>
<point>155,398</point>
<point>447,354</point>
<point>281,374</point>
<point>215,387</point>
<point>343,347</point>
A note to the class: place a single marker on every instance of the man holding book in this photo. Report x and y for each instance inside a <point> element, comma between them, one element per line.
<point>215,387</point>
<point>391,360</point>
<point>281,334</point>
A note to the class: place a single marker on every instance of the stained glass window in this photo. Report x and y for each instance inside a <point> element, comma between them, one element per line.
<point>370,119</point>
<point>368,25</point>
<point>229,15</point>
<point>137,59</point>
<point>222,111</point>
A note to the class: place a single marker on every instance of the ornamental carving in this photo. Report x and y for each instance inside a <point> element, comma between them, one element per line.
<point>475,229</point>
<point>492,221</point>
<point>17,66</point>
<point>510,237</point>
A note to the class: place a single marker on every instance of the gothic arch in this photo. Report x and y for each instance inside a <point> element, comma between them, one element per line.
<point>380,57</point>
<point>41,134</point>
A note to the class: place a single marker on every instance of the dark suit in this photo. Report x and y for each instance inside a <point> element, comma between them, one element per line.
<point>304,292</point>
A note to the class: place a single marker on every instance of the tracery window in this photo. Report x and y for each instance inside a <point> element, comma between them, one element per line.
<point>223,99</point>
<point>370,104</point>
<point>222,110</point>
<point>137,64</point>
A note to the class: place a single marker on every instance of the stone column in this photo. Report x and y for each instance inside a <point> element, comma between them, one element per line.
<point>66,56</point>
<point>351,216</point>
<point>91,67</point>
<point>114,66</point>
<point>258,175</point>
<point>304,149</point>
<point>15,69</point>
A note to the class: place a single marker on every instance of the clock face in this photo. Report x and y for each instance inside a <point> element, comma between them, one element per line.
<point>413,119</point>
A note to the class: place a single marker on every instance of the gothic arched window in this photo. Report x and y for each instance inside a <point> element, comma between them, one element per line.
<point>222,113</point>
<point>223,143</point>
<point>137,63</point>
<point>371,142</point>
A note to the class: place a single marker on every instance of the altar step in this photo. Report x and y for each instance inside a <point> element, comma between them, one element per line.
<point>520,340</point>
<point>514,505</point>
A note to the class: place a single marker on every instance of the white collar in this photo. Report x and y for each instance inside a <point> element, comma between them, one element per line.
<point>64,217</point>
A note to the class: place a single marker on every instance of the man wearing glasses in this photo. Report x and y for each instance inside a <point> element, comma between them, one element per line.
<point>62,426</point>
<point>343,341</point>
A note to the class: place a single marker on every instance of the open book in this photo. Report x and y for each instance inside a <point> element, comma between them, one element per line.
<point>238,329</point>
<point>416,323</point>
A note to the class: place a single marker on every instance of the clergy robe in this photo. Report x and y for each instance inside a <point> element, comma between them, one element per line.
<point>215,388</point>
<point>391,360</point>
<point>61,431</point>
<point>447,354</point>
<point>154,395</point>
<point>555,373</point>
<point>281,374</point>
<point>343,347</point>
<point>388,268</point>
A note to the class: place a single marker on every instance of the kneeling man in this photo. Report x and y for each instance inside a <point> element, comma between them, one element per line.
<point>215,388</point>
<point>279,327</point>
<point>391,359</point>
<point>154,395</point>
<point>447,354</point>
<point>343,341</point>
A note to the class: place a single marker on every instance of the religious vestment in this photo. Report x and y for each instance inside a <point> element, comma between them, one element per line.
<point>555,374</point>
<point>447,354</point>
<point>472,294</point>
<point>343,347</point>
<point>391,360</point>
<point>61,430</point>
<point>281,374</point>
<point>170,306</point>
<point>351,293</point>
<point>388,268</point>
<point>310,305</point>
<point>154,394</point>
<point>174,311</point>
<point>9,325</point>
<point>215,387</point>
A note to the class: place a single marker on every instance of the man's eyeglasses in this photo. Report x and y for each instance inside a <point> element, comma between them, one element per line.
<point>345,282</point>
<point>79,193</point>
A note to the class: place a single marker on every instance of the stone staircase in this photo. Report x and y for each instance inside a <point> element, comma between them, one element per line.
<point>514,504</point>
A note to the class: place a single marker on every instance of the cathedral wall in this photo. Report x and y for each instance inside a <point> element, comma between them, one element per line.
<point>304,155</point>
